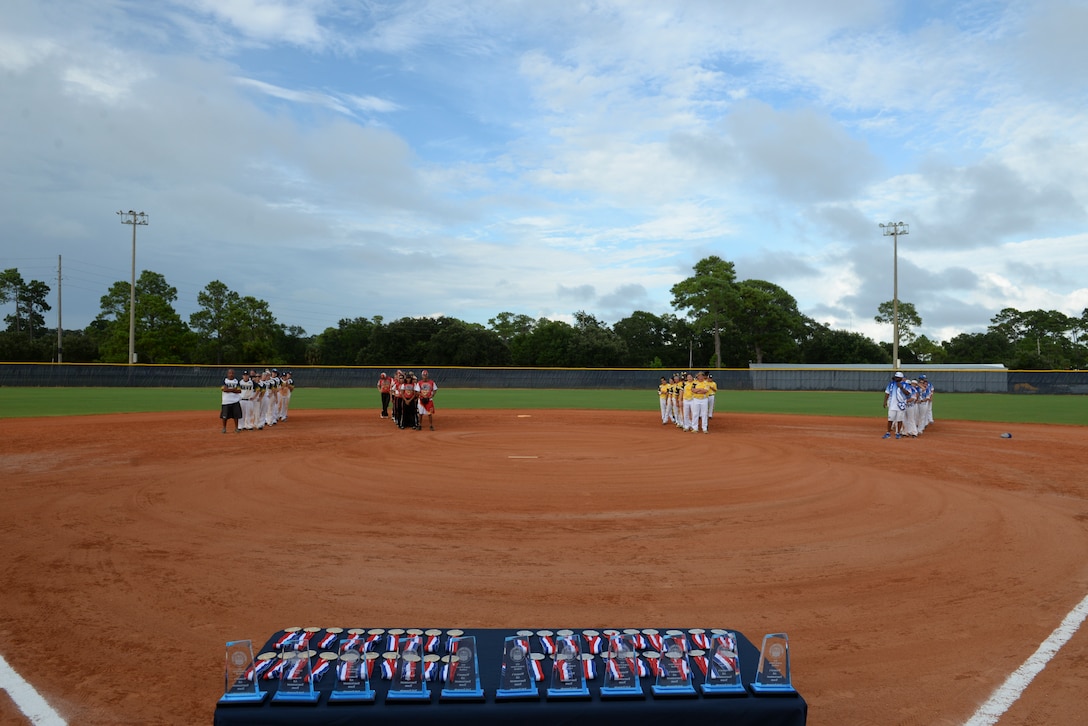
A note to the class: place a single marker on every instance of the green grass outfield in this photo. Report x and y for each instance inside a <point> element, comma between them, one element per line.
<point>1013,408</point>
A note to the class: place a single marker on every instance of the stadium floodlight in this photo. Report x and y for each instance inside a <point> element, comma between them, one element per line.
<point>135,219</point>
<point>893,230</point>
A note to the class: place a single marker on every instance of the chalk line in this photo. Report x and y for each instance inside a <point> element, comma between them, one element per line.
<point>1001,699</point>
<point>29,701</point>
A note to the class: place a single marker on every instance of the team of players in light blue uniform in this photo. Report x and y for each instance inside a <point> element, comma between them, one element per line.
<point>909,404</point>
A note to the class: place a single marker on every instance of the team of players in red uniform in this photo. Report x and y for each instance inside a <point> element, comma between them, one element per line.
<point>257,400</point>
<point>409,398</point>
<point>687,400</point>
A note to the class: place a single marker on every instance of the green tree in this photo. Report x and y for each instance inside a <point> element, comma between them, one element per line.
<point>291,344</point>
<point>709,296</point>
<point>826,346</point>
<point>768,322</point>
<point>909,319</point>
<point>1040,338</point>
<point>402,342</point>
<point>927,351</point>
<point>212,322</point>
<point>258,337</point>
<point>650,338</point>
<point>345,344</point>
<point>594,344</point>
<point>508,325</point>
<point>29,299</point>
<point>467,344</point>
<point>988,347</point>
<point>79,347</point>
<point>161,335</point>
<point>548,344</point>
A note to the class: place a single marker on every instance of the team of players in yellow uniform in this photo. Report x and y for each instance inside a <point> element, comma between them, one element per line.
<point>688,401</point>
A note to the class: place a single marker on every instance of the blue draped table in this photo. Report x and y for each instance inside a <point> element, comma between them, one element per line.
<point>741,710</point>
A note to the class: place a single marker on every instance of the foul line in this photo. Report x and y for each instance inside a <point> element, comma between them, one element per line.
<point>1015,684</point>
<point>29,701</point>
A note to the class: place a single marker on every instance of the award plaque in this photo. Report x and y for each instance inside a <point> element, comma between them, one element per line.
<point>673,671</point>
<point>241,675</point>
<point>296,678</point>
<point>568,680</point>
<point>621,669</point>
<point>515,680</point>
<point>723,667</point>
<point>408,683</point>
<point>463,681</point>
<point>773,672</point>
<point>352,673</point>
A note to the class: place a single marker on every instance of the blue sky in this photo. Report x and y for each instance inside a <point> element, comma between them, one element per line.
<point>344,158</point>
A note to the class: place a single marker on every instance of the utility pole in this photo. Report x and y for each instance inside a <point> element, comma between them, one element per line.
<point>893,230</point>
<point>60,345</point>
<point>135,219</point>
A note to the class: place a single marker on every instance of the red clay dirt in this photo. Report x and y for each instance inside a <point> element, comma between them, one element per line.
<point>912,576</point>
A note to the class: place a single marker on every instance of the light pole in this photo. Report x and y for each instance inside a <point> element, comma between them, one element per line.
<point>135,219</point>
<point>893,230</point>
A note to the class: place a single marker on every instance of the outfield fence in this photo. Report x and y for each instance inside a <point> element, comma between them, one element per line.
<point>946,379</point>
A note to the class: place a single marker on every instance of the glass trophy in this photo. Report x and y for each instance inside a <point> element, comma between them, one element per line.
<point>463,681</point>
<point>296,677</point>
<point>515,680</point>
<point>352,673</point>
<point>621,669</point>
<point>773,672</point>
<point>241,675</point>
<point>568,680</point>
<point>723,667</point>
<point>673,671</point>
<point>408,681</point>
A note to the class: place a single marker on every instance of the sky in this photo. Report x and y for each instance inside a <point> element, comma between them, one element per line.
<point>361,158</point>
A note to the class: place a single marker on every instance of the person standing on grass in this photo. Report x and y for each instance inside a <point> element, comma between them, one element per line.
<point>231,407</point>
<point>425,389</point>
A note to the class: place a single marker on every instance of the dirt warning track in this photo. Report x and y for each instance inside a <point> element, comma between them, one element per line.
<point>912,576</point>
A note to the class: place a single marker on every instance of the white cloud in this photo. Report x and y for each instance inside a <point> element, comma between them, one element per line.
<point>269,21</point>
<point>544,157</point>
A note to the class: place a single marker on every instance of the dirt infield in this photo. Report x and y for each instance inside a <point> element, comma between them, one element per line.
<point>911,576</point>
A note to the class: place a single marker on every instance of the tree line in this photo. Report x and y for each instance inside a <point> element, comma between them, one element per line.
<point>719,321</point>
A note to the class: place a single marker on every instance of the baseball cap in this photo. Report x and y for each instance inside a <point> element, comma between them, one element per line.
<point>922,377</point>
<point>898,374</point>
